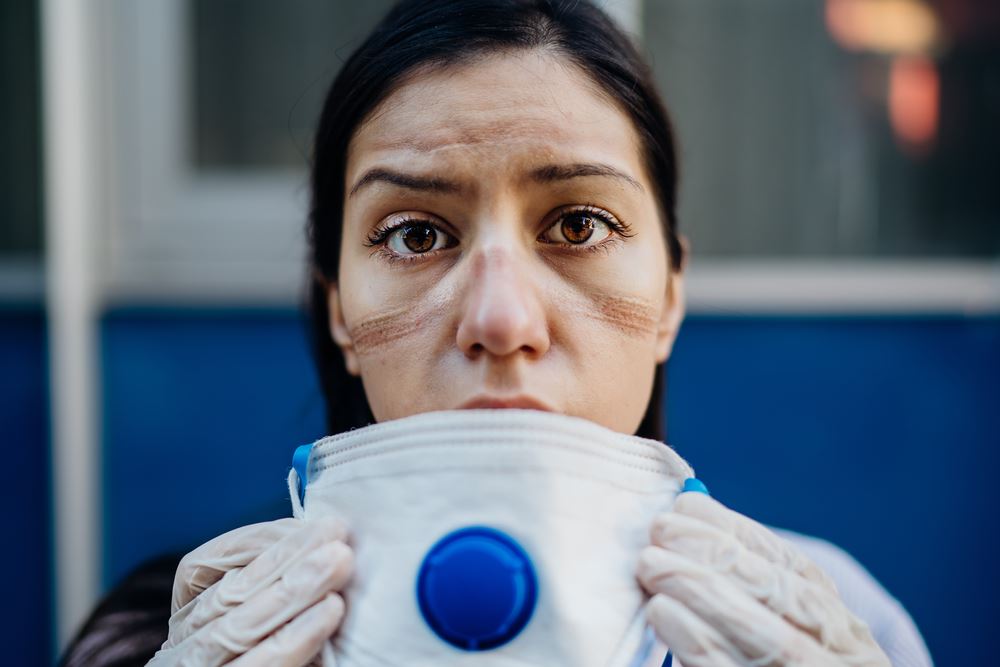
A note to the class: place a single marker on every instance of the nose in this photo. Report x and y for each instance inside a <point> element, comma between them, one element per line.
<point>502,313</point>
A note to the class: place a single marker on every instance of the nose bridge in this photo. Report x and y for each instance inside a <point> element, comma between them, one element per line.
<point>503,311</point>
<point>499,284</point>
<point>491,259</point>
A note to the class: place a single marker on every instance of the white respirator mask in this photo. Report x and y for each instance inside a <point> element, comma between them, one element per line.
<point>506,538</point>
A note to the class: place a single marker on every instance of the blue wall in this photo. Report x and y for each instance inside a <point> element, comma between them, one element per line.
<point>24,477</point>
<point>202,410</point>
<point>879,434</point>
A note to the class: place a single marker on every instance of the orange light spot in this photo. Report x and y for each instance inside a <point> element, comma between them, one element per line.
<point>883,26</point>
<point>914,102</point>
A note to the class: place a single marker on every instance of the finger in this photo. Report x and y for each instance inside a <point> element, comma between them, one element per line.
<point>759,635</point>
<point>248,625</point>
<point>239,585</point>
<point>809,606</point>
<point>752,535</point>
<point>294,644</point>
<point>693,642</point>
<point>205,565</point>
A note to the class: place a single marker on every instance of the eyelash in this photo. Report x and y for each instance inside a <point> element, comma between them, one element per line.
<point>378,237</point>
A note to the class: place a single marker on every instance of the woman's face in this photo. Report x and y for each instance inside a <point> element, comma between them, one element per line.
<point>503,247</point>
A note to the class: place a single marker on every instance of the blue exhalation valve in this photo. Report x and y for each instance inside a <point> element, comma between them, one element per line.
<point>477,588</point>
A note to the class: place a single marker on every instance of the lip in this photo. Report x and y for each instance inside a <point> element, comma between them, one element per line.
<point>505,403</point>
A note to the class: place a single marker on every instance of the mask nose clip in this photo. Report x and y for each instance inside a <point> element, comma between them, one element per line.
<point>477,588</point>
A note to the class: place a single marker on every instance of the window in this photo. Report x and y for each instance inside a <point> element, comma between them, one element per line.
<point>814,142</point>
<point>259,71</point>
<point>20,163</point>
<point>850,128</point>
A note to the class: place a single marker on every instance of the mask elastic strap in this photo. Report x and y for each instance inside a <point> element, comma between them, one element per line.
<point>293,493</point>
<point>298,477</point>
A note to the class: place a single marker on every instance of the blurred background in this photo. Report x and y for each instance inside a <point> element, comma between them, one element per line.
<point>838,373</point>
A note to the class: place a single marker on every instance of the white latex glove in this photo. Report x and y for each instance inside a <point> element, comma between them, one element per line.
<point>727,591</point>
<point>264,594</point>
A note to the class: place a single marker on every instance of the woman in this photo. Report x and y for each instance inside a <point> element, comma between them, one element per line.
<point>494,224</point>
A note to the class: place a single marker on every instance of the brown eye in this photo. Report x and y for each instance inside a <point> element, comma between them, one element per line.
<point>577,227</point>
<point>418,238</point>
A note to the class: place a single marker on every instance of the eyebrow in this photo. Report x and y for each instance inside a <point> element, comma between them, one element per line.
<point>548,174</point>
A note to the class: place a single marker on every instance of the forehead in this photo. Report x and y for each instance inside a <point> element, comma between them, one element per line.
<point>502,106</point>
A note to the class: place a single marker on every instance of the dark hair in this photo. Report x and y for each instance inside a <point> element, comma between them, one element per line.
<point>130,624</point>
<point>423,33</point>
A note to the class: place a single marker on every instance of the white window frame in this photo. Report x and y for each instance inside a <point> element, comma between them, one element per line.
<point>174,232</point>
<point>183,235</point>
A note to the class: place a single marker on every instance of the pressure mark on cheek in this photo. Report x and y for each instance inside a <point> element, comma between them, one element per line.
<point>374,333</point>
<point>630,315</point>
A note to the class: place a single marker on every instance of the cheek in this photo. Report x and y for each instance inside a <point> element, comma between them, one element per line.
<point>631,316</point>
<point>397,327</point>
<point>386,309</point>
<point>608,321</point>
<point>623,292</point>
<point>379,330</point>
<point>394,347</point>
<point>608,335</point>
<point>393,351</point>
<point>614,361</point>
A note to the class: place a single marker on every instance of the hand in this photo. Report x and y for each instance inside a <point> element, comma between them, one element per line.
<point>265,594</point>
<point>727,591</point>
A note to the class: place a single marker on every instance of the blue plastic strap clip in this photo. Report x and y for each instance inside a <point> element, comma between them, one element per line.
<point>696,485</point>
<point>300,462</point>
